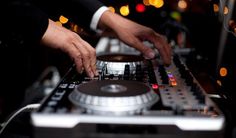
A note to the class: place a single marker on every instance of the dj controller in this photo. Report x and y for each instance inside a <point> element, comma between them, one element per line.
<point>131,97</point>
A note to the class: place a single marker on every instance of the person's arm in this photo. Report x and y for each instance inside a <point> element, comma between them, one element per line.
<point>82,53</point>
<point>133,34</point>
<point>25,20</point>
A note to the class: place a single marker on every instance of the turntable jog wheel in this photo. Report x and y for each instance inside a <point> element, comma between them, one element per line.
<point>113,97</point>
<point>115,63</point>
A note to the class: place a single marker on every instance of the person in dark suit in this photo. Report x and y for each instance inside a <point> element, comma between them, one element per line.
<point>35,25</point>
<point>29,22</point>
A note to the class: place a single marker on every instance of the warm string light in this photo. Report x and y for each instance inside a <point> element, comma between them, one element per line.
<point>226,10</point>
<point>156,3</point>
<point>182,5</point>
<point>146,2</point>
<point>58,23</point>
<point>63,19</point>
<point>140,7</point>
<point>112,9</point>
<point>223,71</point>
<point>124,10</point>
<point>232,25</point>
<point>176,15</point>
<point>215,8</point>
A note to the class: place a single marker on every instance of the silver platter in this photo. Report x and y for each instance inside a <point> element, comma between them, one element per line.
<point>115,63</point>
<point>117,97</point>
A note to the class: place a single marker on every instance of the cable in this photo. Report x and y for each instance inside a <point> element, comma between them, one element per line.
<point>27,107</point>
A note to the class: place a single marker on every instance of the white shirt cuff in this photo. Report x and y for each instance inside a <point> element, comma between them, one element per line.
<point>96,17</point>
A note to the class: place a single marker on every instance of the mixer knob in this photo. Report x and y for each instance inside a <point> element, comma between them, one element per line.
<point>151,75</point>
<point>139,73</point>
<point>126,72</point>
<point>164,76</point>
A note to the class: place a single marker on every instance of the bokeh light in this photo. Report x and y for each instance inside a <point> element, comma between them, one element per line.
<point>140,8</point>
<point>156,3</point>
<point>124,10</point>
<point>63,19</point>
<point>182,4</point>
<point>146,2</point>
<point>112,9</point>
<point>223,72</point>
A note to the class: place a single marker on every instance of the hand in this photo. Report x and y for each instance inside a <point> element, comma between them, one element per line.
<point>133,34</point>
<point>79,50</point>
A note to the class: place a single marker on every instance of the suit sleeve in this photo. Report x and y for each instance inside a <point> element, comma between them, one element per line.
<point>83,13</point>
<point>79,11</point>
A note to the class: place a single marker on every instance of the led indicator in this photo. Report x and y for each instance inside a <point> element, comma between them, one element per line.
<point>155,86</point>
<point>172,79</point>
<point>173,83</point>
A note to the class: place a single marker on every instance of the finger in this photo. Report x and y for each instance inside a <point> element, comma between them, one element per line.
<point>86,57</point>
<point>76,56</point>
<point>163,47</point>
<point>137,44</point>
<point>93,57</point>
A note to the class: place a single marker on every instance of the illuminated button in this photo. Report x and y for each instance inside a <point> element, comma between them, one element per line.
<point>173,83</point>
<point>172,79</point>
<point>155,86</point>
<point>170,75</point>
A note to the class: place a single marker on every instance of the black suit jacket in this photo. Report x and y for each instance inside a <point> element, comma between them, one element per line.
<point>27,20</point>
<point>22,24</point>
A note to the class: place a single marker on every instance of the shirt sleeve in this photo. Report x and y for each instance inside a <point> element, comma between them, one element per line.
<point>96,17</point>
